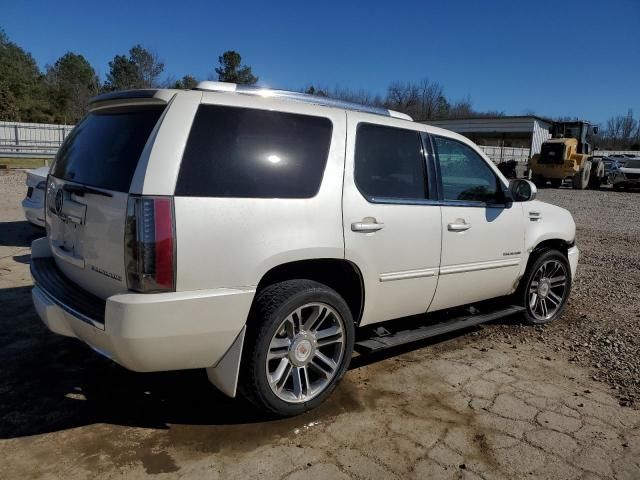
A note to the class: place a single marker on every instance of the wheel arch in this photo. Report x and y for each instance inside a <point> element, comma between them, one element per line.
<point>341,275</point>
<point>547,244</point>
<point>552,244</point>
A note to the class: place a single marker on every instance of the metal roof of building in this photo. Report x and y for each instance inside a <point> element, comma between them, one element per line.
<point>515,123</point>
<point>504,118</point>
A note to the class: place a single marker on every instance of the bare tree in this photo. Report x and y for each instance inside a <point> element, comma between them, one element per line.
<point>621,132</point>
<point>360,96</point>
<point>430,96</point>
<point>403,97</point>
<point>423,100</point>
<point>462,109</point>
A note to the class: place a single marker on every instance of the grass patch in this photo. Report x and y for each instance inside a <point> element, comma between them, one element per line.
<point>23,162</point>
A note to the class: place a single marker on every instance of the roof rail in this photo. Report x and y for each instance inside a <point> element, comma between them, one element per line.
<point>299,97</point>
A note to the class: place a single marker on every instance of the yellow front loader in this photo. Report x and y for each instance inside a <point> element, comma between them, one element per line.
<point>567,155</point>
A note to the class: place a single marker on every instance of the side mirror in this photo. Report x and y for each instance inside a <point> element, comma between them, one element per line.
<point>523,190</point>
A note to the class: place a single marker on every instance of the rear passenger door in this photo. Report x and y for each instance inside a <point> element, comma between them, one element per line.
<point>392,225</point>
<point>482,231</point>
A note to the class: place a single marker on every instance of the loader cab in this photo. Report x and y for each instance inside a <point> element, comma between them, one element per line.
<point>580,130</point>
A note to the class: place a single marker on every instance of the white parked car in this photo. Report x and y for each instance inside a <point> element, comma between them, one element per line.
<point>264,235</point>
<point>626,176</point>
<point>33,203</point>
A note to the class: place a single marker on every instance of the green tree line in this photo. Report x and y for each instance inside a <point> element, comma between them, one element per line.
<point>60,94</point>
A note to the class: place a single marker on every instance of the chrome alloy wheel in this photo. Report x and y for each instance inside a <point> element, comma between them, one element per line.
<point>548,289</point>
<point>305,353</point>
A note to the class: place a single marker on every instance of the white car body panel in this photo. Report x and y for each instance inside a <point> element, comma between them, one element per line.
<point>543,222</point>
<point>483,261</point>
<point>225,246</point>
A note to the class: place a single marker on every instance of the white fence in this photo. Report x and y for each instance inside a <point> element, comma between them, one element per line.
<point>504,154</point>
<point>32,140</point>
<point>606,153</point>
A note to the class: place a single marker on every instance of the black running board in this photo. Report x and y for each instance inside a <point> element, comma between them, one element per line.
<point>393,339</point>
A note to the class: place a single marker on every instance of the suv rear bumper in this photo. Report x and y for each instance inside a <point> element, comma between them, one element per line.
<point>145,332</point>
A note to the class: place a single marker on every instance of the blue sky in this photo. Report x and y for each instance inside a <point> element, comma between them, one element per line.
<point>556,58</point>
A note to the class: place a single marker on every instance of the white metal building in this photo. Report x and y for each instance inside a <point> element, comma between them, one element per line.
<point>508,134</point>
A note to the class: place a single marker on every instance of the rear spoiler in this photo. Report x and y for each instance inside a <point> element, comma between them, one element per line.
<point>123,97</point>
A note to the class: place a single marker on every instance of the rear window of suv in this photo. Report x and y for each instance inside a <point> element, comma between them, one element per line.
<point>251,153</point>
<point>104,148</point>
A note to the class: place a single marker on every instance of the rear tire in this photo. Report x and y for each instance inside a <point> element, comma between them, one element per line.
<point>581,178</point>
<point>545,287</point>
<point>291,362</point>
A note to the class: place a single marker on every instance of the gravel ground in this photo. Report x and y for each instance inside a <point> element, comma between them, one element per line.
<point>599,329</point>
<point>499,402</point>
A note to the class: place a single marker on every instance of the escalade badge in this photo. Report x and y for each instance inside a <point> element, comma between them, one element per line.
<point>58,201</point>
<point>113,276</point>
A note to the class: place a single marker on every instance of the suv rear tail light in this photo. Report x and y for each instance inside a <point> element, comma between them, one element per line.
<point>150,244</point>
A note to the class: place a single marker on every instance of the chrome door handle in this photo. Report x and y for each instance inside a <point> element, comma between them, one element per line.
<point>458,226</point>
<point>368,224</point>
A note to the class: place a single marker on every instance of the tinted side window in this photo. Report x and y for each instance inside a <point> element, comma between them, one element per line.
<point>240,152</point>
<point>465,175</point>
<point>104,148</point>
<point>389,163</point>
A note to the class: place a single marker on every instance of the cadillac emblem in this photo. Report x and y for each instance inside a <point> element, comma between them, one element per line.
<point>59,199</point>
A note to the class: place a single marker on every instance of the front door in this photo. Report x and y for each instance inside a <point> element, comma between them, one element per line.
<point>482,233</point>
<point>392,226</point>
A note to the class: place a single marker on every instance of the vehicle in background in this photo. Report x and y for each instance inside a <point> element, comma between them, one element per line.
<point>627,176</point>
<point>622,158</point>
<point>33,203</point>
<point>610,166</point>
<point>567,155</point>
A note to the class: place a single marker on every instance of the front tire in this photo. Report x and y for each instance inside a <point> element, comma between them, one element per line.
<point>545,287</point>
<point>298,347</point>
<point>581,178</point>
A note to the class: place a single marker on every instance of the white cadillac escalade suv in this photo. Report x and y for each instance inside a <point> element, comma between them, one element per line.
<point>264,235</point>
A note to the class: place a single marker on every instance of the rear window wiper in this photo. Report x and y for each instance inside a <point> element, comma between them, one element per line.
<point>82,189</point>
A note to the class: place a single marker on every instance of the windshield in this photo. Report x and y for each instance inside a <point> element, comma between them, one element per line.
<point>104,148</point>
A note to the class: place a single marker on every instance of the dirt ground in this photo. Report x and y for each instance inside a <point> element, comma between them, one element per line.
<point>502,401</point>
